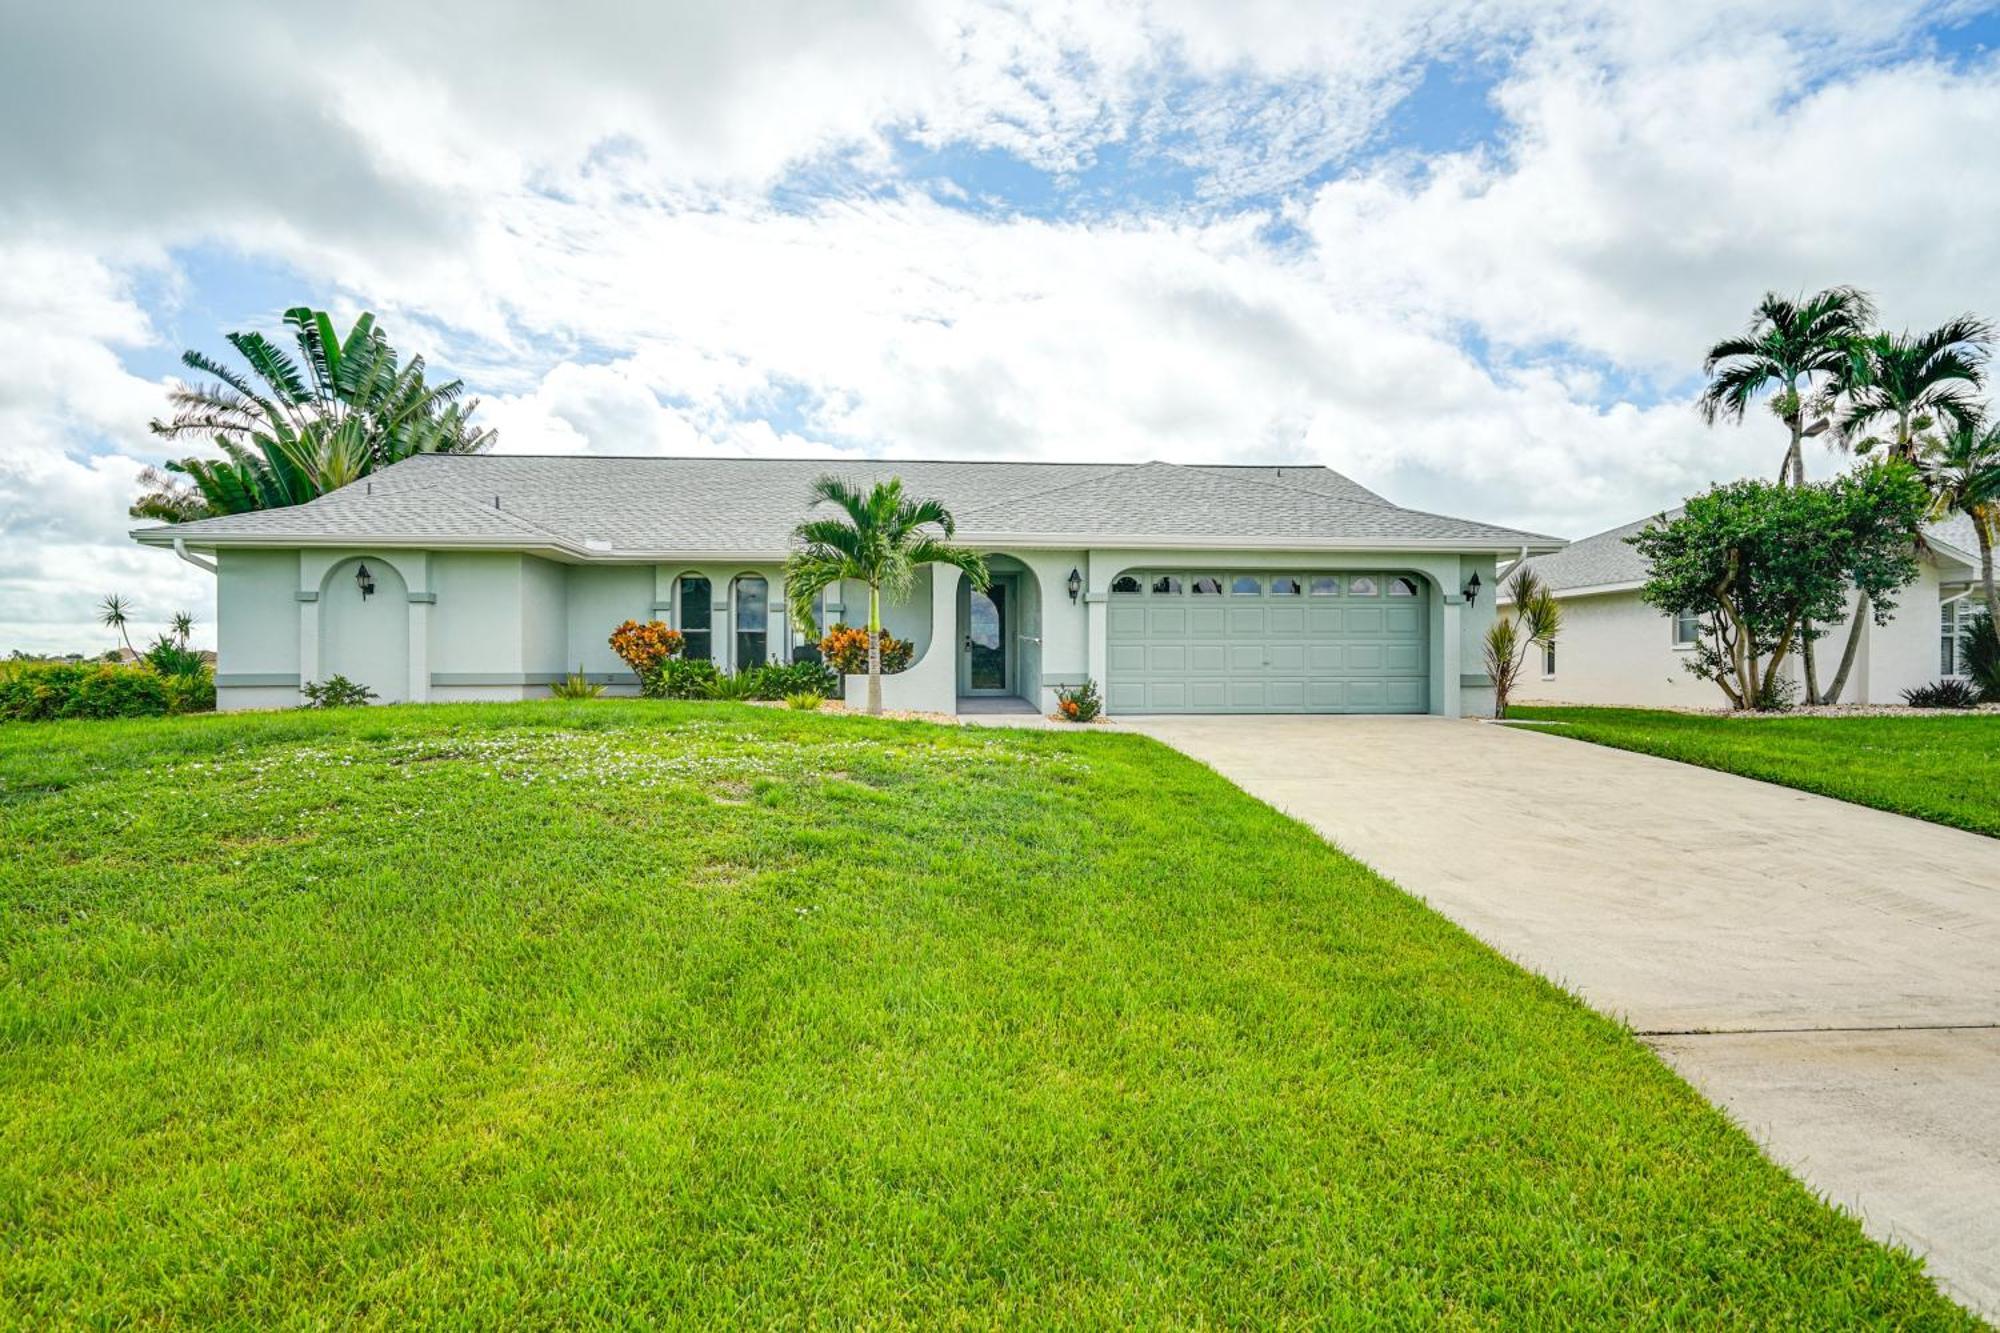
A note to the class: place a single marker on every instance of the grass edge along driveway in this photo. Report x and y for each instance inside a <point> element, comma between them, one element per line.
<point>614,1011</point>
<point>1944,768</point>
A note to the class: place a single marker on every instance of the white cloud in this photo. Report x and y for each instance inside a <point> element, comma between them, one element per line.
<point>575,208</point>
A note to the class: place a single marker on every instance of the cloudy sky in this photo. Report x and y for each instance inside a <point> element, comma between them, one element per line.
<point>1468,251</point>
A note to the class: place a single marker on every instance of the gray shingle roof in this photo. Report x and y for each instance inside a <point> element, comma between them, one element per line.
<point>611,508</point>
<point>1606,560</point>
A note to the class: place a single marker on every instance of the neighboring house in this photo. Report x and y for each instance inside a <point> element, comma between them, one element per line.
<point>1614,649</point>
<point>1177,588</point>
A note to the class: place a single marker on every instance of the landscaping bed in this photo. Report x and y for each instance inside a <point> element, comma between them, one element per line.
<point>1944,767</point>
<point>705,1014</point>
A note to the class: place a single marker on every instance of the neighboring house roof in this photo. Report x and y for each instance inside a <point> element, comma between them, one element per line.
<point>608,508</point>
<point>1606,562</point>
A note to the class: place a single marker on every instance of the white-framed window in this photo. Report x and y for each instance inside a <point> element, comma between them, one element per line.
<point>1951,627</point>
<point>1548,661</point>
<point>753,620</point>
<point>1687,629</point>
<point>692,607</point>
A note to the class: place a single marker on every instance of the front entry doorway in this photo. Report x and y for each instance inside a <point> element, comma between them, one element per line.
<point>986,650</point>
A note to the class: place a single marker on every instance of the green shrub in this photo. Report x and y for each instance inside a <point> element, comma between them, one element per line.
<point>170,658</point>
<point>335,692</point>
<point>576,686</point>
<point>741,686</point>
<point>1943,694</point>
<point>678,678</point>
<point>1079,703</point>
<point>45,691</point>
<point>805,701</point>
<point>779,682</point>
<point>1981,645</point>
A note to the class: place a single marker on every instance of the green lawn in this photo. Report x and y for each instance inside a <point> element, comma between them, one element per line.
<point>1943,768</point>
<point>700,1014</point>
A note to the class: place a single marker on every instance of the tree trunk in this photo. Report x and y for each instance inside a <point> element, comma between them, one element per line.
<point>1985,535</point>
<point>1847,654</point>
<point>874,650</point>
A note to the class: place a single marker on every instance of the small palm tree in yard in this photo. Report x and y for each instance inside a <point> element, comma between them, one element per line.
<point>1535,621</point>
<point>115,613</point>
<point>880,539</point>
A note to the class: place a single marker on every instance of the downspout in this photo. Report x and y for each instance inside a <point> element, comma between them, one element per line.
<point>181,550</point>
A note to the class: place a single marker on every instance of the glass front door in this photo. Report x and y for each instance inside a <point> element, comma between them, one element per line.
<point>986,640</point>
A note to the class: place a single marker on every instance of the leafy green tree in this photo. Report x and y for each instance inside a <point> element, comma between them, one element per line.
<point>1796,349</point>
<point>880,540</point>
<point>1762,564</point>
<point>1535,621</point>
<point>300,424</point>
<point>1963,470</point>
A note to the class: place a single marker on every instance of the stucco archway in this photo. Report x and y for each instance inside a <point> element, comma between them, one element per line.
<point>366,637</point>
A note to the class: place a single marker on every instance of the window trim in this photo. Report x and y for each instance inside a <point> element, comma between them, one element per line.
<point>1674,638</point>
<point>1955,637</point>
<point>1298,582</point>
<point>681,605</point>
<point>1256,581</point>
<point>1374,585</point>
<point>736,630</point>
<point>1137,589</point>
<point>1548,661</point>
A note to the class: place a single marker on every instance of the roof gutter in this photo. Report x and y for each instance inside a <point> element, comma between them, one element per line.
<point>181,550</point>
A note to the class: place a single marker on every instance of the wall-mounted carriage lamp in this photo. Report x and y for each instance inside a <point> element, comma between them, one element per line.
<point>1075,584</point>
<point>1472,590</point>
<point>364,581</point>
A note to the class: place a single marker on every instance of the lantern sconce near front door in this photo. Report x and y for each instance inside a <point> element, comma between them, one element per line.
<point>1075,584</point>
<point>1472,589</point>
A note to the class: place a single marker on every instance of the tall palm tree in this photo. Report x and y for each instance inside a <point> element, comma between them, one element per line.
<point>301,424</point>
<point>114,613</point>
<point>881,539</point>
<point>1911,385</point>
<point>182,626</point>
<point>1963,468</point>
<point>1791,344</point>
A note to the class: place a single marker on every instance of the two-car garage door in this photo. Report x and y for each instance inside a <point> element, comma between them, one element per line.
<point>1330,642</point>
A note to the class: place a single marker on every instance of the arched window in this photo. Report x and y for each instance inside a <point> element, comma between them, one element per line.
<point>1246,585</point>
<point>1401,586</point>
<point>1124,585</point>
<point>753,620</point>
<point>1284,586</point>
<point>1361,586</point>
<point>1207,585</point>
<point>1167,585</point>
<point>693,605</point>
<point>1325,585</point>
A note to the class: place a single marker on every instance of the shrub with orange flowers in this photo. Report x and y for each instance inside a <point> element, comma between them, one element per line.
<point>1079,703</point>
<point>846,649</point>
<point>645,647</point>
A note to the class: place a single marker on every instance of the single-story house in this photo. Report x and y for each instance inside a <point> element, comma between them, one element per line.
<point>1614,649</point>
<point>1177,588</point>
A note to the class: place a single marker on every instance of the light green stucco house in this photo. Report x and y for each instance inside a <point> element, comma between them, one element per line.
<point>1178,588</point>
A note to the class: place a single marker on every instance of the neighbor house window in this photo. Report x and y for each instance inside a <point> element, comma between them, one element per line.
<point>753,621</point>
<point>1549,661</point>
<point>1687,629</point>
<point>1246,585</point>
<point>1325,585</point>
<point>1208,584</point>
<point>1402,587</point>
<point>1124,585</point>
<point>1167,584</point>
<point>1284,586</point>
<point>1361,586</point>
<point>1949,627</point>
<point>692,599</point>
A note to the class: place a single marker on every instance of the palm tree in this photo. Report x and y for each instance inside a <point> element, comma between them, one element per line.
<point>182,626</point>
<point>114,613</point>
<point>1791,343</point>
<point>884,538</point>
<point>298,426</point>
<point>1963,468</point>
<point>1914,384</point>
<point>1535,623</point>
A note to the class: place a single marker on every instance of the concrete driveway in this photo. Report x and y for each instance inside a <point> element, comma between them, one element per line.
<point>1828,974</point>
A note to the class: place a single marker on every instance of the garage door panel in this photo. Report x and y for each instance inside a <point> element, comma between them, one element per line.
<point>1217,653</point>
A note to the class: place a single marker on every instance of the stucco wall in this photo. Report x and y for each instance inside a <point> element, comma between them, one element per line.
<point>257,629</point>
<point>598,599</point>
